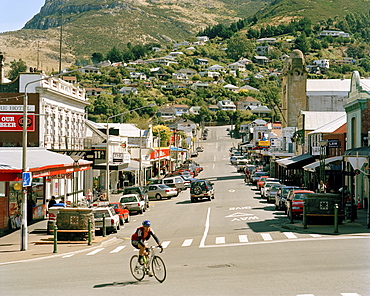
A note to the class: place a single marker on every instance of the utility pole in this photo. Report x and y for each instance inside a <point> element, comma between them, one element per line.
<point>60,44</point>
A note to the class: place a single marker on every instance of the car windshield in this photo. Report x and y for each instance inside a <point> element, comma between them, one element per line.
<point>128,199</point>
<point>167,181</point>
<point>275,187</point>
<point>300,196</point>
<point>114,206</point>
<point>163,186</point>
<point>257,174</point>
<point>131,190</point>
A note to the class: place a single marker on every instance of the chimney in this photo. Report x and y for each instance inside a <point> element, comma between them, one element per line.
<point>2,62</point>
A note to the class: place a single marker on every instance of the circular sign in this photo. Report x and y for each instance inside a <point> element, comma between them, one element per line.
<point>17,186</point>
<point>29,121</point>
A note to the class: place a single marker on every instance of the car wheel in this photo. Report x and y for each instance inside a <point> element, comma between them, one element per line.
<point>209,198</point>
<point>197,190</point>
<point>118,227</point>
<point>140,211</point>
<point>121,222</point>
<point>158,196</point>
<point>192,199</point>
<point>127,220</point>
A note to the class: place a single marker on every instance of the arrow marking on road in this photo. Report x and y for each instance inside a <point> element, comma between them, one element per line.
<point>238,215</point>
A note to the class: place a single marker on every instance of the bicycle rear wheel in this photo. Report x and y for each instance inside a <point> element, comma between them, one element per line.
<point>158,269</point>
<point>136,269</point>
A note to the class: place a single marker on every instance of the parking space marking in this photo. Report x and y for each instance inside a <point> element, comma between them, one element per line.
<point>266,236</point>
<point>187,242</point>
<point>116,250</point>
<point>243,238</point>
<point>290,235</point>
<point>94,252</point>
<point>220,240</point>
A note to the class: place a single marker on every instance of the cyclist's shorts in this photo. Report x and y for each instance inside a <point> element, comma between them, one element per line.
<point>136,244</point>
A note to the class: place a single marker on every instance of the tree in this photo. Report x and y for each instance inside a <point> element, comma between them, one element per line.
<point>97,57</point>
<point>239,46</point>
<point>163,132</point>
<point>114,55</point>
<point>16,68</point>
<point>302,43</point>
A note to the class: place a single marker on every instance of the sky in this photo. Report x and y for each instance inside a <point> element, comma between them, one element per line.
<point>14,14</point>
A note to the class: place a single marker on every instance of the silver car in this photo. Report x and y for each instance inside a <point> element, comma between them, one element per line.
<point>111,219</point>
<point>133,203</point>
<point>159,191</point>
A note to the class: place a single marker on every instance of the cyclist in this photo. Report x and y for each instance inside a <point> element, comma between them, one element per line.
<point>141,235</point>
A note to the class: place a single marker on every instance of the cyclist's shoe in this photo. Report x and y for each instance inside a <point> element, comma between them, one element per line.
<point>150,273</point>
<point>141,261</point>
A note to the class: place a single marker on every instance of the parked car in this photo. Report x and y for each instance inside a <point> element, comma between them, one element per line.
<point>112,223</point>
<point>199,149</point>
<point>140,191</point>
<point>201,189</point>
<point>260,181</point>
<point>122,212</point>
<point>272,191</point>
<point>234,159</point>
<point>296,197</point>
<point>266,185</point>
<point>256,176</point>
<point>159,191</point>
<point>240,164</point>
<point>281,195</point>
<point>133,203</point>
<point>173,182</point>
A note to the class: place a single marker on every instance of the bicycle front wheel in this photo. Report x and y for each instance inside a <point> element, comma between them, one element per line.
<point>136,269</point>
<point>158,269</point>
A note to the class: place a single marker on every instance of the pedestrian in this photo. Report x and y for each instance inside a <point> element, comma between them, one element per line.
<point>102,197</point>
<point>321,188</point>
<point>52,202</point>
<point>89,196</point>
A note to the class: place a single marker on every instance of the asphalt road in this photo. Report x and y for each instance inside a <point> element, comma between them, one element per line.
<point>231,245</point>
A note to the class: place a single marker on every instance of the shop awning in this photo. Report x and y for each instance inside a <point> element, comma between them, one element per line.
<point>178,149</point>
<point>312,166</point>
<point>112,166</point>
<point>295,161</point>
<point>40,162</point>
<point>135,166</point>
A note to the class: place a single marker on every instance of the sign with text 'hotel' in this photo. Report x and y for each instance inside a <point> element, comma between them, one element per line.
<point>13,122</point>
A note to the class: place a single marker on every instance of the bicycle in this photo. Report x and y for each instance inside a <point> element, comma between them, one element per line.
<point>153,264</point>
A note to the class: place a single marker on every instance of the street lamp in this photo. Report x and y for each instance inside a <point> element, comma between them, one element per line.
<point>24,230</point>
<point>323,144</point>
<point>107,146</point>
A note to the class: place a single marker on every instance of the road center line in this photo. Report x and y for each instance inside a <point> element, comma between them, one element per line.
<point>206,228</point>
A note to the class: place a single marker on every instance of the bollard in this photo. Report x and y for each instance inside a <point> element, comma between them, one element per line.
<point>104,228</point>
<point>291,212</point>
<point>336,218</point>
<point>89,233</point>
<point>55,238</point>
<point>304,216</point>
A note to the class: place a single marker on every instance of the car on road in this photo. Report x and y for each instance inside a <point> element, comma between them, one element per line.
<point>272,191</point>
<point>140,191</point>
<point>201,189</point>
<point>122,212</point>
<point>133,203</point>
<point>260,181</point>
<point>281,196</point>
<point>266,185</point>
<point>158,191</point>
<point>295,199</point>
<point>112,222</point>
<point>256,176</point>
<point>199,149</point>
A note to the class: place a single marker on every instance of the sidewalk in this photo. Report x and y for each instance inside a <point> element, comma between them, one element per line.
<point>41,245</point>
<point>359,227</point>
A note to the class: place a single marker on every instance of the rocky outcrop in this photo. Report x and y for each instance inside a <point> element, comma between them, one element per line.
<point>50,14</point>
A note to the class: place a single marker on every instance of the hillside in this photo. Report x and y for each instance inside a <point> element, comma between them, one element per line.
<point>96,26</point>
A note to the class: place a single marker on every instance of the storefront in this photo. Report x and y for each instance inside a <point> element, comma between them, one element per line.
<point>160,161</point>
<point>49,170</point>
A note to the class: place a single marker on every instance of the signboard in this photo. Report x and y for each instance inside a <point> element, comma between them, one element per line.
<point>263,143</point>
<point>10,122</point>
<point>26,179</point>
<point>160,153</point>
<point>16,108</point>
<point>117,157</point>
<point>333,143</point>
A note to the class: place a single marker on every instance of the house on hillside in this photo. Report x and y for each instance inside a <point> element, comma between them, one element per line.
<point>128,90</point>
<point>94,91</point>
<point>334,33</point>
<point>226,105</point>
<point>194,110</point>
<point>246,102</point>
<point>90,70</point>
<point>181,109</point>
<point>201,62</point>
<point>262,60</point>
<point>231,87</point>
<point>237,67</point>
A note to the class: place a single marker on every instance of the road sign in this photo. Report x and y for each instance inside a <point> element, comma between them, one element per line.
<point>27,179</point>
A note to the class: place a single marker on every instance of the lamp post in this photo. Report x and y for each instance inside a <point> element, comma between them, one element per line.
<point>107,146</point>
<point>323,145</point>
<point>24,226</point>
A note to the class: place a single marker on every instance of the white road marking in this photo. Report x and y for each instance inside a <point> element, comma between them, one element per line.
<point>220,240</point>
<point>165,244</point>
<point>315,235</point>
<point>116,250</point>
<point>290,235</point>
<point>187,242</point>
<point>350,294</point>
<point>94,252</point>
<point>305,295</point>
<point>243,238</point>
<point>206,228</point>
<point>69,255</point>
<point>266,236</point>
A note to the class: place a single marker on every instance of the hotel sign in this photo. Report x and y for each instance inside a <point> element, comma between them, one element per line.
<point>11,122</point>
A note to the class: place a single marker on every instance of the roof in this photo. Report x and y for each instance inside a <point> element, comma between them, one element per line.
<point>288,162</point>
<point>331,126</point>
<point>316,119</point>
<point>328,85</point>
<point>312,166</point>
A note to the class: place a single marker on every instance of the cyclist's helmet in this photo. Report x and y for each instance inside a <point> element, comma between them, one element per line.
<point>146,223</point>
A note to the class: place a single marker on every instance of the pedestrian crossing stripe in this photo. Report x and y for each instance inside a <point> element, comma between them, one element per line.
<point>95,252</point>
<point>187,242</point>
<point>290,235</point>
<point>116,250</point>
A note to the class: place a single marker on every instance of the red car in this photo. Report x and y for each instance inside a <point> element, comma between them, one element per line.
<point>123,213</point>
<point>260,181</point>
<point>297,197</point>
